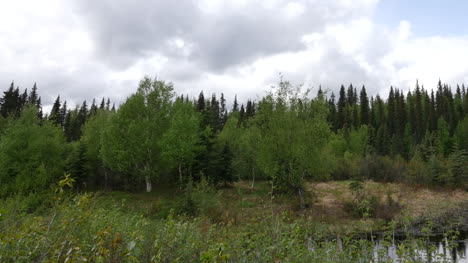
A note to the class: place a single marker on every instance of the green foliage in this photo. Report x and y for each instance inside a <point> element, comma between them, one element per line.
<point>78,165</point>
<point>79,230</point>
<point>461,134</point>
<point>458,167</point>
<point>293,133</point>
<point>181,142</point>
<point>363,204</point>
<point>93,138</point>
<point>200,199</point>
<point>131,139</point>
<point>444,141</point>
<point>31,155</point>
<point>419,171</point>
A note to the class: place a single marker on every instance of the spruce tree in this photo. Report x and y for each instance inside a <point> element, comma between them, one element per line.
<point>93,110</point>
<point>241,116</point>
<point>9,101</point>
<point>419,127</point>
<point>33,97</point>
<point>67,126</point>
<point>63,113</point>
<point>201,102</point>
<point>364,106</point>
<point>108,107</point>
<point>341,112</point>
<point>350,95</point>
<point>332,112</point>
<point>103,104</point>
<point>235,105</point>
<point>54,116</point>
<point>222,110</point>
<point>39,109</point>
<point>433,114</point>
<point>391,107</point>
<point>465,103</point>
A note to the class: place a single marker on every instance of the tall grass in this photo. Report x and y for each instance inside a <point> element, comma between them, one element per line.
<point>81,229</point>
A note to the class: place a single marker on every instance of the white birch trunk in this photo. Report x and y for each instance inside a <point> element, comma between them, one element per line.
<point>148,184</point>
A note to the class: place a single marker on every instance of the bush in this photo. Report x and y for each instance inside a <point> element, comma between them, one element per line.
<point>419,172</point>
<point>200,200</point>
<point>383,168</point>
<point>365,205</point>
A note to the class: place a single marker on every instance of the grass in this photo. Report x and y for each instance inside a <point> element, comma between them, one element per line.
<point>235,224</point>
<point>241,205</point>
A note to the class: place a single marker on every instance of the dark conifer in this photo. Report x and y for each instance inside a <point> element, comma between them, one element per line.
<point>364,106</point>
<point>201,102</point>
<point>341,111</point>
<point>33,96</point>
<point>54,116</point>
<point>103,104</point>
<point>235,106</point>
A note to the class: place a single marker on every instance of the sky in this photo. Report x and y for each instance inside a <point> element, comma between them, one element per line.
<point>85,49</point>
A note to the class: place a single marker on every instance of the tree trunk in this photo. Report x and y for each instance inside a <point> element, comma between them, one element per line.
<point>253,178</point>
<point>148,184</point>
<point>301,197</point>
<point>180,176</point>
<point>105,179</point>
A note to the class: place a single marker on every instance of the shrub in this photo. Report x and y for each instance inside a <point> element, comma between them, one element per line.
<point>383,168</point>
<point>200,199</point>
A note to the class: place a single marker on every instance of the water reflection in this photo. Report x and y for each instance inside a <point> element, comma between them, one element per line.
<point>441,251</point>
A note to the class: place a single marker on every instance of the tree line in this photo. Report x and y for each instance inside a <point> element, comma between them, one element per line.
<point>287,137</point>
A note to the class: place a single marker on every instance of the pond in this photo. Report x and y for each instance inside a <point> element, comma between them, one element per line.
<point>439,249</point>
<point>388,248</point>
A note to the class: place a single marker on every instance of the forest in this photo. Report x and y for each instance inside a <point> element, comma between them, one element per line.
<point>73,180</point>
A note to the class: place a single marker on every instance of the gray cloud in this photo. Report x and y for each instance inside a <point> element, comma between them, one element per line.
<point>231,36</point>
<point>88,49</point>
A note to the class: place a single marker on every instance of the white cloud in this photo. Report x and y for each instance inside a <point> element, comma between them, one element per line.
<point>91,49</point>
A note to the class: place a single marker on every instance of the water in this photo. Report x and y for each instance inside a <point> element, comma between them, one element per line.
<point>400,249</point>
<point>440,251</point>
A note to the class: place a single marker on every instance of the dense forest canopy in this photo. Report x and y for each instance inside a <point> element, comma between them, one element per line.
<point>286,137</point>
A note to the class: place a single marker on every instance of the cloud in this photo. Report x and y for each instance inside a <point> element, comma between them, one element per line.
<point>214,34</point>
<point>89,49</point>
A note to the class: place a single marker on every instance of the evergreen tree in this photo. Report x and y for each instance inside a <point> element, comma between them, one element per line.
<point>332,112</point>
<point>400,112</point>
<point>68,126</point>
<point>63,113</point>
<point>341,112</point>
<point>235,105</point>
<point>432,114</point>
<point>201,102</point>
<point>83,114</point>
<point>33,96</point>
<point>103,104</point>
<point>93,110</point>
<point>215,114</point>
<point>24,99</point>
<point>10,101</point>
<point>241,116</point>
<point>39,109</point>
<point>350,95</point>
<point>54,116</point>
<point>364,106</point>
<point>223,111</point>
<point>224,171</point>
<point>419,127</point>
<point>78,166</point>
<point>411,114</point>
<point>355,118</point>
<point>391,108</point>
<point>465,100</point>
